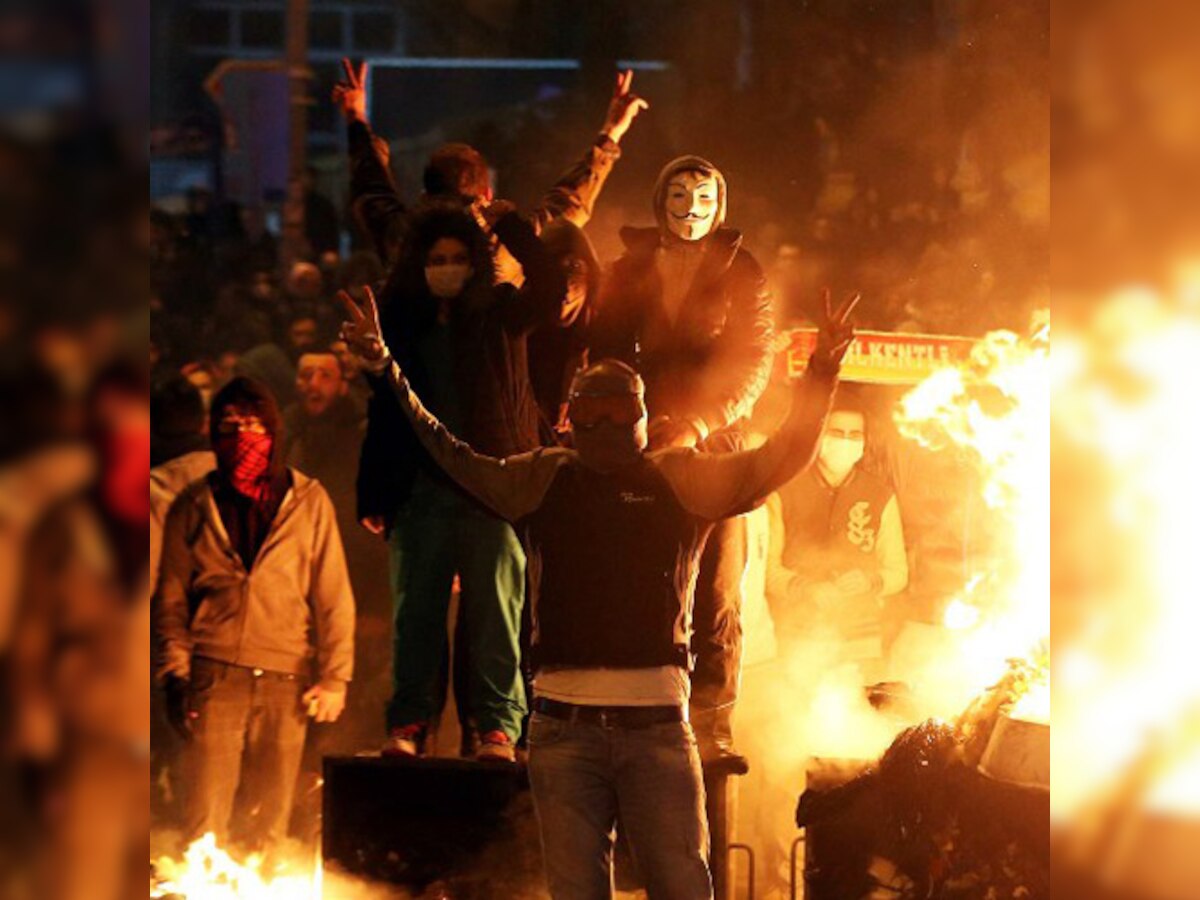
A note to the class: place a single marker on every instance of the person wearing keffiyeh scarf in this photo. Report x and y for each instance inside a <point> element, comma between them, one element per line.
<point>250,480</point>
<point>253,621</point>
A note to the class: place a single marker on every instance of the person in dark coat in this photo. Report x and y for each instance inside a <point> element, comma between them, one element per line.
<point>687,306</point>
<point>463,339</point>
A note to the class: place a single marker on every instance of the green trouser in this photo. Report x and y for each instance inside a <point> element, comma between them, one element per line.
<point>428,550</point>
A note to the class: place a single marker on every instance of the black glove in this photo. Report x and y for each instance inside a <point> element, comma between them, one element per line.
<point>179,706</point>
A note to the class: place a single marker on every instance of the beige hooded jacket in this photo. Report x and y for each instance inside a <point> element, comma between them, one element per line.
<point>293,608</point>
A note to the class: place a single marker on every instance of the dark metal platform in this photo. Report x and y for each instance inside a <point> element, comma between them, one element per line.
<point>465,826</point>
<point>415,822</point>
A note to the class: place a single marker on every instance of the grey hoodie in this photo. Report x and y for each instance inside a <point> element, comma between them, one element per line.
<point>292,609</point>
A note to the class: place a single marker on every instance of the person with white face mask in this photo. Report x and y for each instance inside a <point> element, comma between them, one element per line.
<point>462,338</point>
<point>447,270</point>
<point>687,306</point>
<point>837,545</point>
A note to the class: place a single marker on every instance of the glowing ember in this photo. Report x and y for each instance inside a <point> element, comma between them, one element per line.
<point>209,873</point>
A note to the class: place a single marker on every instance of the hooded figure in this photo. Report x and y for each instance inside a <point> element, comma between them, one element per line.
<point>695,166</point>
<point>462,338</point>
<point>688,308</point>
<point>253,621</point>
<point>480,377</point>
<point>246,431</point>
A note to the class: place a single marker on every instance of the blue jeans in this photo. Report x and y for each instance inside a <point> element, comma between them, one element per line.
<point>585,777</point>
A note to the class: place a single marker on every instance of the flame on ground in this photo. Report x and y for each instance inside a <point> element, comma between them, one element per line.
<point>208,872</point>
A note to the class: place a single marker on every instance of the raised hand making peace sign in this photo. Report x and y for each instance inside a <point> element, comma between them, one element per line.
<point>361,331</point>
<point>623,108</point>
<point>835,333</point>
<point>351,95</point>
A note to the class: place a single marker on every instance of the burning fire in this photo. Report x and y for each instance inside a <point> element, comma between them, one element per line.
<point>995,411</point>
<point>209,873</point>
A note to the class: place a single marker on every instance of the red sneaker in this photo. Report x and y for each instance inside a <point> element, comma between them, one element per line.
<point>496,745</point>
<point>408,740</point>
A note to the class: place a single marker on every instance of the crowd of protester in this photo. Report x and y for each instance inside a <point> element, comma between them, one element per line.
<point>235,339</point>
<point>79,411</point>
<point>226,317</point>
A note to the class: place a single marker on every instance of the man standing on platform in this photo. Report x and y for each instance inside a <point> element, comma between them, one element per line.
<point>613,536</point>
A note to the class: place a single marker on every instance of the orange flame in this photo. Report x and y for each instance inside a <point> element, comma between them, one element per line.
<point>208,872</point>
<point>995,411</point>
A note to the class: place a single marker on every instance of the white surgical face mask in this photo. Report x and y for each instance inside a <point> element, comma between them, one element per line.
<point>839,455</point>
<point>447,280</point>
<point>691,205</point>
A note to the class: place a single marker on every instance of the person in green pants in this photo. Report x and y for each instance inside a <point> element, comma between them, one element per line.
<point>463,338</point>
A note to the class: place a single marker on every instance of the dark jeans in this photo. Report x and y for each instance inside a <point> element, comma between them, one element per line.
<point>247,743</point>
<point>584,776</point>
<point>717,629</point>
<point>427,552</point>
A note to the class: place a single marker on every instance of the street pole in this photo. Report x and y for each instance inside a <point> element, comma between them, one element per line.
<point>298,78</point>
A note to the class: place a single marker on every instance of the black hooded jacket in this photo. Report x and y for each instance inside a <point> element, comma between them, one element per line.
<point>489,327</point>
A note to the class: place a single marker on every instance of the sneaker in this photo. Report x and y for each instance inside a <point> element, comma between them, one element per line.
<point>496,745</point>
<point>405,741</point>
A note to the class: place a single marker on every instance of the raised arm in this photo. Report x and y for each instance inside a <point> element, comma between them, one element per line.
<point>574,195</point>
<point>374,199</point>
<point>716,485</point>
<point>512,487</point>
<point>543,293</point>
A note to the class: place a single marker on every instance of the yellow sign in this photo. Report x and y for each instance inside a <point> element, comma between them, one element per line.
<point>882,357</point>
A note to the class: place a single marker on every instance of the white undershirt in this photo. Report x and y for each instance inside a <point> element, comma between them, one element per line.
<point>657,686</point>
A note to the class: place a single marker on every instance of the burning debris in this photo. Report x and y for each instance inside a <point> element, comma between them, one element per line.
<point>960,808</point>
<point>208,871</point>
<point>934,818</point>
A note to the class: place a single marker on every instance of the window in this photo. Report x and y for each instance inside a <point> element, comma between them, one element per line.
<point>325,30</point>
<point>208,27</point>
<point>374,31</point>
<point>262,28</point>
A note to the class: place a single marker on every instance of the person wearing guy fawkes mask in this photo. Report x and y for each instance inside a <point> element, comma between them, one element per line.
<point>463,339</point>
<point>614,535</point>
<point>687,306</point>
<point>841,552</point>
